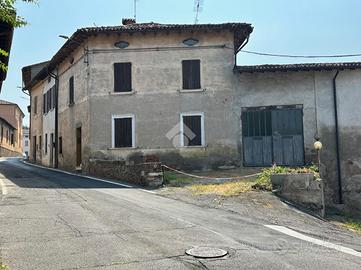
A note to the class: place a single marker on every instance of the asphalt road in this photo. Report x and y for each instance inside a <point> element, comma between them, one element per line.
<point>51,220</point>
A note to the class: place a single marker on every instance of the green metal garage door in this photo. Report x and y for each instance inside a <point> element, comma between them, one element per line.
<point>273,135</point>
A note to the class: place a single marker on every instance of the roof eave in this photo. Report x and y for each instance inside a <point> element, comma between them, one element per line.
<point>298,68</point>
<point>82,34</point>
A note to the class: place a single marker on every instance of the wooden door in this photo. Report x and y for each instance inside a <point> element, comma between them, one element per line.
<point>78,147</point>
<point>51,149</point>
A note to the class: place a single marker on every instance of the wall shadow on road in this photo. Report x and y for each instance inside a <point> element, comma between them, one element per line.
<point>26,176</point>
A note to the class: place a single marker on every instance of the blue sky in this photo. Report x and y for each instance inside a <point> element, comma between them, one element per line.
<point>307,27</point>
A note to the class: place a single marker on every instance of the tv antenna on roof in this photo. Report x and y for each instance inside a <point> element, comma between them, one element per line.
<point>198,7</point>
<point>135,9</point>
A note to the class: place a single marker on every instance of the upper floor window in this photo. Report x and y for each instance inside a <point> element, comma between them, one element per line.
<point>122,77</point>
<point>49,100</point>
<point>71,90</point>
<point>35,105</point>
<point>44,104</point>
<point>191,74</point>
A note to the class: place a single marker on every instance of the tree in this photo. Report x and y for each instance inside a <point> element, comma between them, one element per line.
<point>8,12</point>
<point>8,16</point>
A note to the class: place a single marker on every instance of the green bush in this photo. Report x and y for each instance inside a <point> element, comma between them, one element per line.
<point>263,181</point>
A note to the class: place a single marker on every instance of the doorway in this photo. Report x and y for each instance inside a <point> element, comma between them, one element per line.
<point>34,149</point>
<point>51,149</point>
<point>78,147</point>
<point>273,134</point>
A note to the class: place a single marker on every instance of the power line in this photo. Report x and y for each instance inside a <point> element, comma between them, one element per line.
<point>302,56</point>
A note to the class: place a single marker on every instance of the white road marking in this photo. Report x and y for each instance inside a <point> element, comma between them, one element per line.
<point>4,190</point>
<point>295,234</point>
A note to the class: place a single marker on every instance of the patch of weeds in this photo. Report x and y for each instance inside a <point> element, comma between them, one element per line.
<point>345,219</point>
<point>173,179</point>
<point>225,189</point>
<point>263,181</point>
<point>354,225</point>
<point>3,267</point>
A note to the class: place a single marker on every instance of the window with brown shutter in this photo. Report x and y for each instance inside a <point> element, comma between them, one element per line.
<point>192,130</point>
<point>51,98</point>
<point>35,105</point>
<point>44,103</point>
<point>123,132</point>
<point>48,98</point>
<point>46,144</point>
<point>71,91</point>
<point>191,74</point>
<point>122,77</point>
<point>60,145</point>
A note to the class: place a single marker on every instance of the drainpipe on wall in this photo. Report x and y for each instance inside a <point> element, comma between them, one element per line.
<point>338,160</point>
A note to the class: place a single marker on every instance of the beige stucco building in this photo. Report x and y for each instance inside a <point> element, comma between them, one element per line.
<point>174,93</point>
<point>11,133</point>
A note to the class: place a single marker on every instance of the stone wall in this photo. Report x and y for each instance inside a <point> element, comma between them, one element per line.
<point>301,189</point>
<point>147,174</point>
<point>4,152</point>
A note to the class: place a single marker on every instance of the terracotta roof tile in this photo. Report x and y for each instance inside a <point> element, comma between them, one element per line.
<point>299,67</point>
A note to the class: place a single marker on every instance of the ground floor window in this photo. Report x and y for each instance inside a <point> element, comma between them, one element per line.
<point>46,144</point>
<point>12,139</point>
<point>192,129</point>
<point>123,131</point>
<point>60,145</point>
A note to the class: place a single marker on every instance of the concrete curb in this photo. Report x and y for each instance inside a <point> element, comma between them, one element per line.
<point>85,176</point>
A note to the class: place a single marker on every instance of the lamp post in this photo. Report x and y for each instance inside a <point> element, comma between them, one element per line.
<point>80,44</point>
<point>318,146</point>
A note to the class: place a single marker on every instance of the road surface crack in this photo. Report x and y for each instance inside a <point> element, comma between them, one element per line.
<point>76,231</point>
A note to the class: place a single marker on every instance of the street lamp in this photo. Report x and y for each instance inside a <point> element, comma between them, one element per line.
<point>318,146</point>
<point>77,42</point>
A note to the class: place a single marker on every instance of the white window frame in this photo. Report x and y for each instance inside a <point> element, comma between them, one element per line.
<point>203,141</point>
<point>132,116</point>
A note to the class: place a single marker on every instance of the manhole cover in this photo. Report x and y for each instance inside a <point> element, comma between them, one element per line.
<point>206,252</point>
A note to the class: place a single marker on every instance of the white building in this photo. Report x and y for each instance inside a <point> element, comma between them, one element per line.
<point>26,142</point>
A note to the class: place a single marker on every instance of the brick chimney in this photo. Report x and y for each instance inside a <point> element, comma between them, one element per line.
<point>127,21</point>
